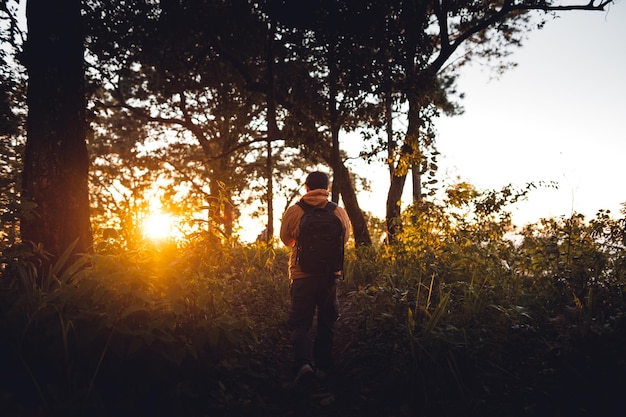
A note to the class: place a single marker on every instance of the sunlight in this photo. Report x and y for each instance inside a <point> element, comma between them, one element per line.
<point>159,226</point>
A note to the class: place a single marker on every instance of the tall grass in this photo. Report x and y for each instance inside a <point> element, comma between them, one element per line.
<point>457,299</point>
<point>153,310</point>
<point>466,295</point>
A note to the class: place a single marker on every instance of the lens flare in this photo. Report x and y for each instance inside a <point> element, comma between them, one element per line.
<point>159,226</point>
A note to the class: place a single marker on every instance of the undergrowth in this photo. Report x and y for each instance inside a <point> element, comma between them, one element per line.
<point>462,315</point>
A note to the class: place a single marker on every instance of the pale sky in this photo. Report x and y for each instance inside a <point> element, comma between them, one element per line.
<point>558,116</point>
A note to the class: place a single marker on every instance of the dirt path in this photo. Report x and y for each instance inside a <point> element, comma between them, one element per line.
<point>351,389</point>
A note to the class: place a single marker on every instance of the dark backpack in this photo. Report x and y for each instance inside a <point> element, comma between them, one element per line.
<point>319,247</point>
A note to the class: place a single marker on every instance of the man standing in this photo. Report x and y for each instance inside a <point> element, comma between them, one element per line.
<point>313,273</point>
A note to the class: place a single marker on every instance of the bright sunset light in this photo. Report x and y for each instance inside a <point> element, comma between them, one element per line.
<point>159,226</point>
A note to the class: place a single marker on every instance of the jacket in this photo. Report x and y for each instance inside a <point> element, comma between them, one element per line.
<point>290,227</point>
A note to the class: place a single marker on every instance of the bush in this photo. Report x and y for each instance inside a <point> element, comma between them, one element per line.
<point>462,315</point>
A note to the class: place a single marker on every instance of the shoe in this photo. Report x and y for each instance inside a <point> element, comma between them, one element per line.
<point>304,378</point>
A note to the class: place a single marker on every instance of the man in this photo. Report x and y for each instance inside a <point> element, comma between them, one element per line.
<point>311,290</point>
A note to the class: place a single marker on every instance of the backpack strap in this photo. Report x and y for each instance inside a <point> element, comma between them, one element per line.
<point>305,206</point>
<point>331,206</point>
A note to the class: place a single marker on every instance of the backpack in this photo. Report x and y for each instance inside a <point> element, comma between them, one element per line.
<point>319,247</point>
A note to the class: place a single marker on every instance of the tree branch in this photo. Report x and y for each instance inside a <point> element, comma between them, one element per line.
<point>187,124</point>
<point>448,48</point>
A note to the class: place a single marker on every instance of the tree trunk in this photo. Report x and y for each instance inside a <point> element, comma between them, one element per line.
<point>391,143</point>
<point>272,134</point>
<point>337,165</point>
<point>394,209</point>
<point>359,223</point>
<point>56,162</point>
<point>398,179</point>
<point>269,168</point>
<point>416,179</point>
<point>335,158</point>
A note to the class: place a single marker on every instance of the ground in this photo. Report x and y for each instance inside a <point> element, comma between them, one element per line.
<point>566,367</point>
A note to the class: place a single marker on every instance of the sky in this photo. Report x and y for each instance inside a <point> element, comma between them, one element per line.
<point>558,116</point>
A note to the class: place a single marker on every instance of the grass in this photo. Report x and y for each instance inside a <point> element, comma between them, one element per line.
<point>454,320</point>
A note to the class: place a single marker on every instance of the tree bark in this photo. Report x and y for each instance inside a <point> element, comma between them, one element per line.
<point>391,143</point>
<point>398,179</point>
<point>416,179</point>
<point>335,158</point>
<point>56,162</point>
<point>272,134</point>
<point>394,209</point>
<point>359,223</point>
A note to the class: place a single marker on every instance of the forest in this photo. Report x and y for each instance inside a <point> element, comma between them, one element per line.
<point>138,140</point>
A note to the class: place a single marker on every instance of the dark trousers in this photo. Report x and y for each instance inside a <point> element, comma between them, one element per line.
<point>307,295</point>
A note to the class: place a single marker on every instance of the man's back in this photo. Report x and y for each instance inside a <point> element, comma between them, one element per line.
<point>320,240</point>
<point>290,226</point>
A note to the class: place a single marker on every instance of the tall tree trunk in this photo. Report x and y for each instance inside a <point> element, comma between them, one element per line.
<point>357,218</point>
<point>269,169</point>
<point>391,143</point>
<point>272,134</point>
<point>351,203</point>
<point>394,201</point>
<point>398,179</point>
<point>338,166</point>
<point>416,179</point>
<point>334,129</point>
<point>56,162</point>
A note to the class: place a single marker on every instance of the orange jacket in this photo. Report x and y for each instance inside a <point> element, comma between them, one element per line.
<point>290,227</point>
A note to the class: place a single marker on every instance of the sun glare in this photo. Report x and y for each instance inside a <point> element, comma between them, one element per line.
<point>159,226</point>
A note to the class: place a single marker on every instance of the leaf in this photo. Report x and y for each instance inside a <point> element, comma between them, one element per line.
<point>60,263</point>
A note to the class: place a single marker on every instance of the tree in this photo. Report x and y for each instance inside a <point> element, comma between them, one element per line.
<point>331,87</point>
<point>430,42</point>
<point>302,74</point>
<point>56,162</point>
<point>167,80</point>
<point>205,80</point>
<point>12,116</point>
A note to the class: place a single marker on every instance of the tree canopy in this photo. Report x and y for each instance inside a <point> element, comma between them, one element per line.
<point>217,100</point>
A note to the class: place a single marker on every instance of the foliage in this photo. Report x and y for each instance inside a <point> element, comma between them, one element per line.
<point>12,120</point>
<point>464,315</point>
<point>175,108</point>
<point>146,313</point>
<point>464,302</point>
<point>584,262</point>
<point>179,80</point>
